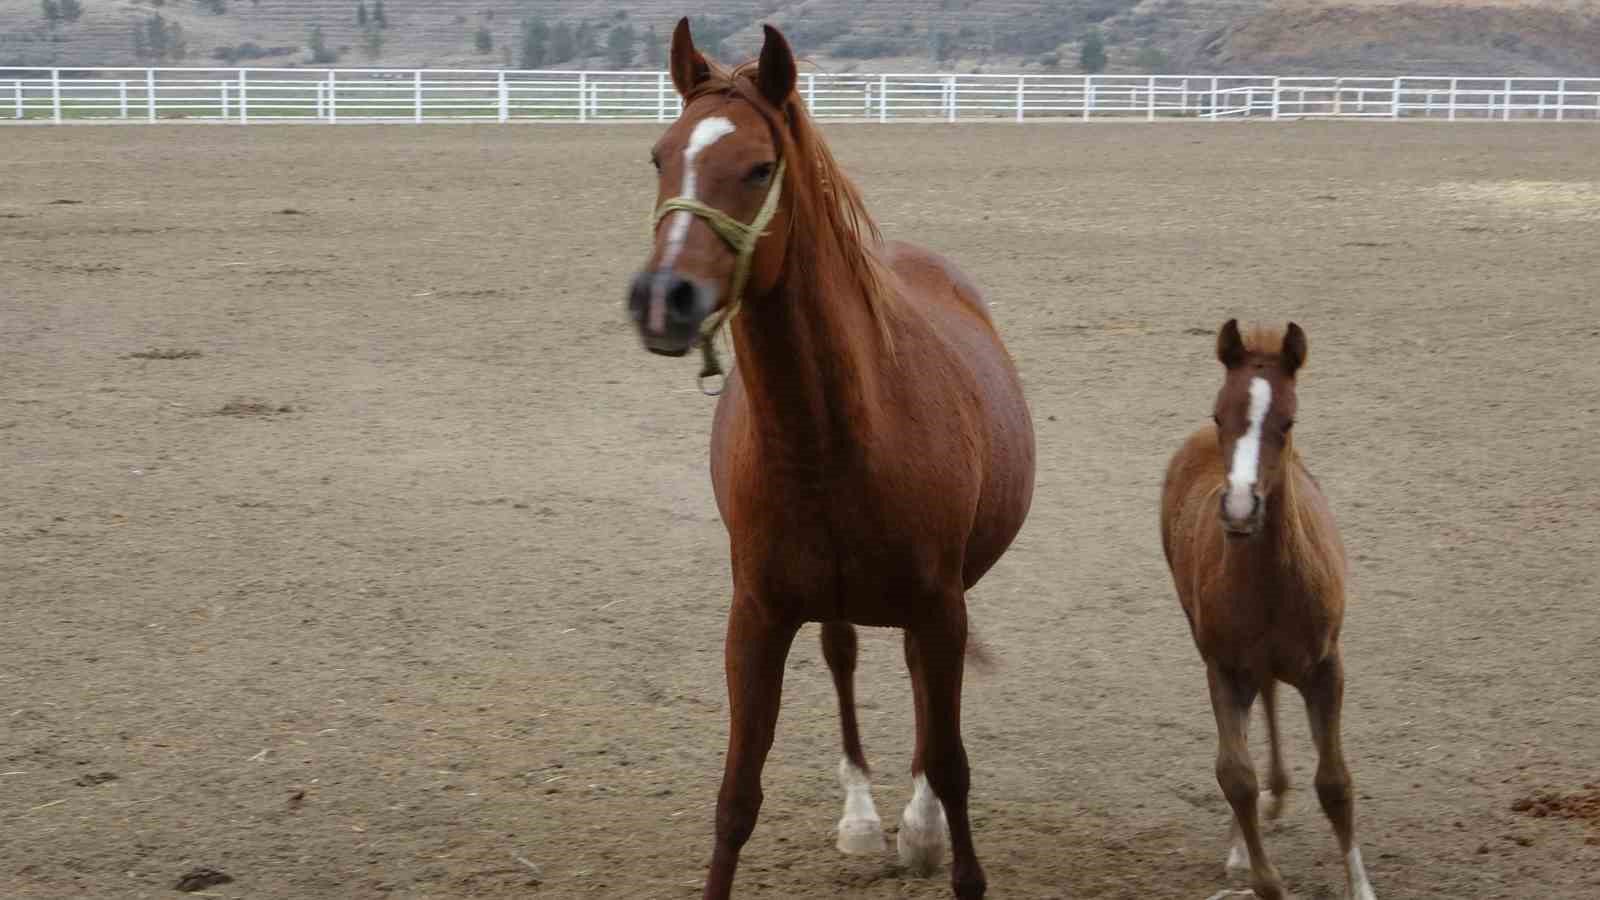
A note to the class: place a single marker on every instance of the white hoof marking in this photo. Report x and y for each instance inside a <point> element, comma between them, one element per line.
<point>1360,887</point>
<point>923,829</point>
<point>860,829</point>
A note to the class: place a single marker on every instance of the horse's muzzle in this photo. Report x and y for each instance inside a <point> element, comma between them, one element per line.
<point>668,309</point>
<point>1247,527</point>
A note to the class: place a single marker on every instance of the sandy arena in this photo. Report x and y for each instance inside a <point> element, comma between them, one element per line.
<point>350,545</point>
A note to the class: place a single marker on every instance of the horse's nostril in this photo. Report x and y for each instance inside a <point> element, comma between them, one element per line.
<point>639,296</point>
<point>681,300</point>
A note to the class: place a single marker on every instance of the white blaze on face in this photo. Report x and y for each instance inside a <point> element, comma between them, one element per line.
<point>1243,468</point>
<point>707,132</point>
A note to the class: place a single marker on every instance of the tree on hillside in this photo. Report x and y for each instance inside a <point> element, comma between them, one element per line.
<point>1152,61</point>
<point>372,42</point>
<point>71,10</point>
<point>535,44</point>
<point>318,45</point>
<point>361,13</point>
<point>141,47</point>
<point>563,43</point>
<point>215,7</point>
<point>620,46</point>
<point>587,43</point>
<point>52,12</point>
<point>177,42</point>
<point>653,55</point>
<point>1092,55</point>
<point>378,15</point>
<point>943,46</point>
<point>483,40</point>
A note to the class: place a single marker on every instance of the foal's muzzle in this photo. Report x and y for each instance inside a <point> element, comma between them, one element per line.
<point>668,309</point>
<point>1248,526</point>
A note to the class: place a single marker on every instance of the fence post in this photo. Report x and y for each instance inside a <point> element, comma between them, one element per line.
<point>122,98</point>
<point>16,88</point>
<point>1451,115</point>
<point>505,98</point>
<point>1213,101</point>
<point>55,95</point>
<point>1150,100</point>
<point>1561,100</point>
<point>1022,98</point>
<point>1508,100</point>
<point>661,96</point>
<point>583,96</point>
<point>1183,109</point>
<point>333,97</point>
<point>1394,111</point>
<point>1277,90</point>
<point>150,93</point>
<point>950,101</point>
<point>222,91</point>
<point>1338,97</point>
<point>416,96</point>
<point>883,98</point>
<point>244,99</point>
<point>1088,96</point>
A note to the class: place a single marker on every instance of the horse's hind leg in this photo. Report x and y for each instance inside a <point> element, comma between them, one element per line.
<point>1277,773</point>
<point>935,653</point>
<point>1231,697</point>
<point>860,829</point>
<point>1324,693</point>
<point>754,654</point>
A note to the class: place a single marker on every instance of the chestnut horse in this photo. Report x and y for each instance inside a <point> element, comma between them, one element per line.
<point>1260,570</point>
<point>872,455</point>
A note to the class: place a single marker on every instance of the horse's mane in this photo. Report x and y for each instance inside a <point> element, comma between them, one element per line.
<point>829,223</point>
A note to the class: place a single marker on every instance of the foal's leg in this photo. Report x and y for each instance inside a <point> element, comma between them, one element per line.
<point>1231,696</point>
<point>1324,693</point>
<point>935,653</point>
<point>1277,777</point>
<point>860,829</point>
<point>754,655</point>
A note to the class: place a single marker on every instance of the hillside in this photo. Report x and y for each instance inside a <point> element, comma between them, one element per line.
<point>1202,36</point>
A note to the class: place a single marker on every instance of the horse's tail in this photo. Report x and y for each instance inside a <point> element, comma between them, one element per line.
<point>978,656</point>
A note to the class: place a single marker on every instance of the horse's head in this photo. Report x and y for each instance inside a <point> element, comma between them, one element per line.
<point>720,173</point>
<point>1254,414</point>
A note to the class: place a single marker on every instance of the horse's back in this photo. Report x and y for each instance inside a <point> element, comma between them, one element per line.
<point>951,304</point>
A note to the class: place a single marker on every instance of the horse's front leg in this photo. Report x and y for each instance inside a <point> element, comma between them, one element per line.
<point>757,645</point>
<point>860,829</point>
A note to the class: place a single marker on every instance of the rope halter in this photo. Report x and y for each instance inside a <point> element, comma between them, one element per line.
<point>742,239</point>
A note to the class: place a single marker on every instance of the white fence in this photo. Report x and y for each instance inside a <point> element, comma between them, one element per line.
<point>494,95</point>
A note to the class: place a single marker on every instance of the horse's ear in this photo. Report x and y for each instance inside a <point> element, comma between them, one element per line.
<point>688,66</point>
<point>1295,348</point>
<point>1230,344</point>
<point>776,72</point>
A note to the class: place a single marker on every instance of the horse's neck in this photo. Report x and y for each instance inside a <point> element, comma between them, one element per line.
<point>810,367</point>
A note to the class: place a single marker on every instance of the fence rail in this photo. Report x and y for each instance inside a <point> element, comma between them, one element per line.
<point>497,95</point>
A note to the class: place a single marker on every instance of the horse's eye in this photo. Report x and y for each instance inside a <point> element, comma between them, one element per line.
<point>655,161</point>
<point>760,173</point>
<point>1216,420</point>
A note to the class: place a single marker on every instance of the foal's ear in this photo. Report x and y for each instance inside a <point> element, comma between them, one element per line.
<point>688,66</point>
<point>776,72</point>
<point>1230,344</point>
<point>1295,348</point>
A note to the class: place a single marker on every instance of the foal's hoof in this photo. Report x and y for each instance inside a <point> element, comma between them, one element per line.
<point>1238,859</point>
<point>861,837</point>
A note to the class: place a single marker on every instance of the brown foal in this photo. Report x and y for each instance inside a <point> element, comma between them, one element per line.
<point>1260,569</point>
<point>872,455</point>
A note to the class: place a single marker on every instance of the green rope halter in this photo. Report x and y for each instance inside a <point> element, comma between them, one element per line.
<point>742,239</point>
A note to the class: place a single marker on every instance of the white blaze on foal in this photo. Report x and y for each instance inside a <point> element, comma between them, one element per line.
<point>1247,454</point>
<point>860,829</point>
<point>923,829</point>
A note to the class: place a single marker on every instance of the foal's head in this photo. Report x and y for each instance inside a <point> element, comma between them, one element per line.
<point>722,156</point>
<point>1254,413</point>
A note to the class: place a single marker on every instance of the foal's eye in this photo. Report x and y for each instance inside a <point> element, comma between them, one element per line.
<point>760,172</point>
<point>1216,420</point>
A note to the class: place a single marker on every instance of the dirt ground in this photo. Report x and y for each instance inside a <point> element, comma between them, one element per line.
<point>414,569</point>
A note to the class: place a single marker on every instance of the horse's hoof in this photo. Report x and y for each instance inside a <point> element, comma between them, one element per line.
<point>921,852</point>
<point>861,837</point>
<point>1238,859</point>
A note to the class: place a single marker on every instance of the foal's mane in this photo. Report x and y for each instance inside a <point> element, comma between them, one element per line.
<point>829,224</point>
